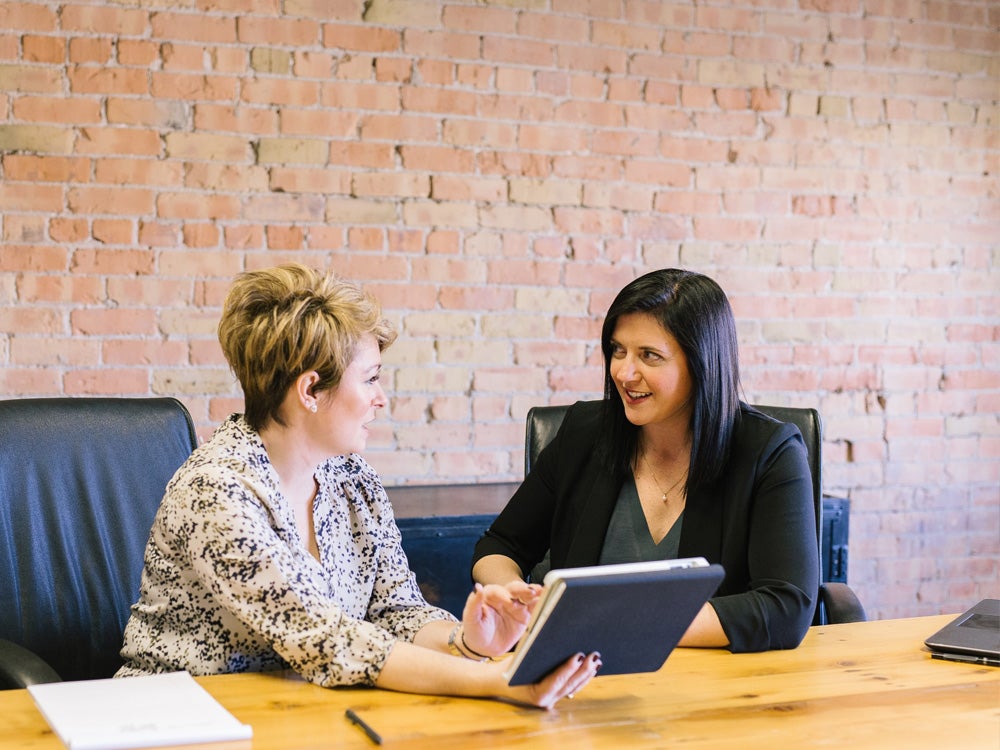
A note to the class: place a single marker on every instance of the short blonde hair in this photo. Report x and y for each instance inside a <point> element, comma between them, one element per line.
<point>280,322</point>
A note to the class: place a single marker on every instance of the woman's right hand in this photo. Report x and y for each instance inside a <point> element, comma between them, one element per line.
<point>563,682</point>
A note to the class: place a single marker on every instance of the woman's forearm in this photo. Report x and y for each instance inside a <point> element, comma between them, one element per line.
<point>705,631</point>
<point>498,569</point>
<point>412,668</point>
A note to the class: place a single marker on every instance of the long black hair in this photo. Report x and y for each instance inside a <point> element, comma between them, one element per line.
<point>695,311</point>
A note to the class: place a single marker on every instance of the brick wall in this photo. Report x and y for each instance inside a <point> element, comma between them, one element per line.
<point>495,171</point>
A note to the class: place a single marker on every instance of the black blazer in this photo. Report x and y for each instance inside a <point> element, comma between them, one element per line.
<point>758,521</point>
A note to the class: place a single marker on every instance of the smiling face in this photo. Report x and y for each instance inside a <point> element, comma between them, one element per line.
<point>354,402</point>
<point>650,371</point>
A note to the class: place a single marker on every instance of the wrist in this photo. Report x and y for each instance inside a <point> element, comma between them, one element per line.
<point>458,647</point>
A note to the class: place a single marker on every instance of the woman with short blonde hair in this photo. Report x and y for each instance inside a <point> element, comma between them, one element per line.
<point>275,545</point>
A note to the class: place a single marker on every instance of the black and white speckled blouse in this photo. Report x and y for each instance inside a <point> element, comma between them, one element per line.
<point>228,585</point>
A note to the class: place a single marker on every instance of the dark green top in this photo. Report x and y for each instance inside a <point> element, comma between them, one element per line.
<point>628,538</point>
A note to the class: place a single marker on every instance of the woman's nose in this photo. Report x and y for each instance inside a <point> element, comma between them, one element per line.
<point>625,371</point>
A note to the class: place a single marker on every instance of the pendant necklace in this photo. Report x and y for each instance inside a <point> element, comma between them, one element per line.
<point>652,474</point>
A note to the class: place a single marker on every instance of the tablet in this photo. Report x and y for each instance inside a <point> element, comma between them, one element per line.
<point>633,614</point>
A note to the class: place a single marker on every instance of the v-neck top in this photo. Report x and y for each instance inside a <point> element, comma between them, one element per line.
<point>628,538</point>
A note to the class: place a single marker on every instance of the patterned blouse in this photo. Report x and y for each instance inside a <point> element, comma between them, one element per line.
<point>228,585</point>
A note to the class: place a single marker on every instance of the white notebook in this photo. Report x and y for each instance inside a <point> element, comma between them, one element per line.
<point>133,712</point>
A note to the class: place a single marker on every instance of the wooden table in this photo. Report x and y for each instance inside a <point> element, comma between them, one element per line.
<point>862,685</point>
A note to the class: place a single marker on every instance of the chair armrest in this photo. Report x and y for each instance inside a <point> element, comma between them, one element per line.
<point>20,667</point>
<point>841,603</point>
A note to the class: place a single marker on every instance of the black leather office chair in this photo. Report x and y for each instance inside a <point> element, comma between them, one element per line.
<point>80,482</point>
<point>837,601</point>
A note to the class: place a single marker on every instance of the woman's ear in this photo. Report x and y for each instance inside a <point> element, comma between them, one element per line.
<point>305,390</point>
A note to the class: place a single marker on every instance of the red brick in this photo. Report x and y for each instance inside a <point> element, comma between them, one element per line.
<point>24,229</point>
<point>602,60</point>
<point>391,127</point>
<point>132,352</point>
<point>44,49</point>
<point>88,79</point>
<point>642,37</point>
<point>439,159</point>
<point>27,16</point>
<point>118,141</point>
<point>100,200</point>
<point>137,52</point>
<point>63,230</point>
<point>151,113</point>
<point>109,20</point>
<point>361,38</point>
<point>106,382</point>
<point>441,43</point>
<point>346,95</point>
<point>182,57</point>
<point>193,27</point>
<point>30,381</point>
<point>393,70</point>
<point>138,172</point>
<point>463,132</point>
<point>585,167</point>
<point>200,235</point>
<point>321,123</point>
<point>306,180</point>
<point>286,207</point>
<point>435,72</point>
<point>194,206</point>
<point>196,87</point>
<point>625,143</point>
<point>82,50</point>
<point>20,197</point>
<point>113,231</point>
<point>438,100</point>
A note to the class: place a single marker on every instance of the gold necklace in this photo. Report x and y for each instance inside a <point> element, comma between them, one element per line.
<point>652,475</point>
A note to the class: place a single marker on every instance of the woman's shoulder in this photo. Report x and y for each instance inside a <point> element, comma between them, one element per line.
<point>354,477</point>
<point>351,467</point>
<point>584,412</point>
<point>580,423</point>
<point>231,466</point>
<point>762,431</point>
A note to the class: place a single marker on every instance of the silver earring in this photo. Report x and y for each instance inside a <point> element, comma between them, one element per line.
<point>313,407</point>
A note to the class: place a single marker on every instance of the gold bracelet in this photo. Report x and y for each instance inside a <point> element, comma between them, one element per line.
<point>455,650</point>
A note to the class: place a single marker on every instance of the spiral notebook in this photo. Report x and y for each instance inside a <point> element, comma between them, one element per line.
<point>633,614</point>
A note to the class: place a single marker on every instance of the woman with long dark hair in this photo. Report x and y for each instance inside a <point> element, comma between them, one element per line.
<point>672,464</point>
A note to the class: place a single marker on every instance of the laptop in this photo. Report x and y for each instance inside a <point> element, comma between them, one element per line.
<point>973,636</point>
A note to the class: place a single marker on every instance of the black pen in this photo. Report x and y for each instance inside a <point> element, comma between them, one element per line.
<point>357,720</point>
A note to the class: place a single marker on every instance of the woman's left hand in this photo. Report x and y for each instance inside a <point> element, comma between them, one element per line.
<point>496,616</point>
